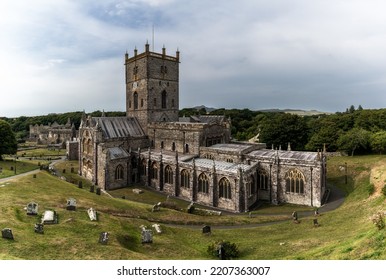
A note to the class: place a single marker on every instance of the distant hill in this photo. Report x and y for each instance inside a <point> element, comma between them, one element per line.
<point>207,109</point>
<point>296,112</point>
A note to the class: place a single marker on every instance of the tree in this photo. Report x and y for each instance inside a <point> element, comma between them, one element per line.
<point>378,142</point>
<point>281,129</point>
<point>354,139</point>
<point>8,143</point>
<point>327,135</point>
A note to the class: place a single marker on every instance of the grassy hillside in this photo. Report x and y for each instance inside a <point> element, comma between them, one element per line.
<point>345,233</point>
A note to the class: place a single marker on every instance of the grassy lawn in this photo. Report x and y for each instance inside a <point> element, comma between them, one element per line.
<point>11,167</point>
<point>42,152</point>
<point>345,233</point>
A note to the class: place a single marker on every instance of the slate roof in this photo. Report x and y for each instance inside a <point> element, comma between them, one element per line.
<point>117,127</point>
<point>230,147</point>
<point>290,155</point>
<point>221,165</point>
<point>117,153</point>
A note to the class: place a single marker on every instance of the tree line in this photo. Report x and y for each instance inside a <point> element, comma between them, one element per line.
<point>355,131</point>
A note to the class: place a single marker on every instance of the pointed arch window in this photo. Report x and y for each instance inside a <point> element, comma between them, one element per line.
<point>168,175</point>
<point>163,99</point>
<point>119,172</point>
<point>294,181</point>
<point>203,183</point>
<point>251,186</point>
<point>185,179</point>
<point>262,179</point>
<point>154,171</point>
<point>225,188</point>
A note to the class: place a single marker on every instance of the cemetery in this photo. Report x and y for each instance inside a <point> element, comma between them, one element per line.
<point>30,211</point>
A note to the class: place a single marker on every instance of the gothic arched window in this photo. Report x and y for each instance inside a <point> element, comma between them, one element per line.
<point>262,179</point>
<point>168,175</point>
<point>225,188</point>
<point>185,179</point>
<point>154,171</point>
<point>119,172</point>
<point>203,183</point>
<point>294,180</point>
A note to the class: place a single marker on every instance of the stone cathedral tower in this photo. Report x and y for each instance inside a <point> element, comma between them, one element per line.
<point>152,82</point>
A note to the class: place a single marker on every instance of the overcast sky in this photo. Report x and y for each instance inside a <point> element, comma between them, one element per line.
<point>67,55</point>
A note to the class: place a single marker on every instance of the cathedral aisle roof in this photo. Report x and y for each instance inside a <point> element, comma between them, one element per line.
<point>220,165</point>
<point>117,153</point>
<point>117,127</point>
<point>282,154</point>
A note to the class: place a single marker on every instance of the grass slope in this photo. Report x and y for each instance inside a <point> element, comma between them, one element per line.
<point>345,233</point>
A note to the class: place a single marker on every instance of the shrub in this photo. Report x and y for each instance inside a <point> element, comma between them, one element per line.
<point>384,190</point>
<point>224,250</point>
<point>370,189</point>
<point>378,220</point>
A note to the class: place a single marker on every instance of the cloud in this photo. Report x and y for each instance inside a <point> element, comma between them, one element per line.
<point>64,54</point>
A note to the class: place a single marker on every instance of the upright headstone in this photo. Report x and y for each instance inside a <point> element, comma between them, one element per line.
<point>206,229</point>
<point>147,236</point>
<point>156,207</point>
<point>103,238</point>
<point>39,228</point>
<point>71,204</point>
<point>32,208</point>
<point>92,214</point>
<point>98,191</point>
<point>7,233</point>
<point>190,208</point>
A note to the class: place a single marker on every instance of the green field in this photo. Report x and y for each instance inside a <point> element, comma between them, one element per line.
<point>345,233</point>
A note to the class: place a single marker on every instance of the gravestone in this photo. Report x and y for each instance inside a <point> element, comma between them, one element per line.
<point>221,252</point>
<point>7,233</point>
<point>71,204</point>
<point>137,191</point>
<point>147,236</point>
<point>49,217</point>
<point>72,169</point>
<point>39,228</point>
<point>80,184</point>
<point>316,224</point>
<point>32,208</point>
<point>103,238</point>
<point>295,217</point>
<point>1,170</point>
<point>156,207</point>
<point>34,176</point>
<point>92,214</point>
<point>157,228</point>
<point>92,188</point>
<point>190,208</point>
<point>98,191</point>
<point>206,230</point>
